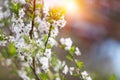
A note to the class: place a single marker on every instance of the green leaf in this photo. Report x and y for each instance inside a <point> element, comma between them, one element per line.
<point>63,77</point>
<point>39,6</point>
<point>45,38</point>
<point>48,46</point>
<point>30,14</point>
<point>44,76</point>
<point>76,75</point>
<point>27,0</point>
<point>80,64</point>
<point>28,69</point>
<point>112,77</point>
<point>4,53</point>
<point>1,37</point>
<point>35,51</point>
<point>69,58</point>
<point>62,46</point>
<point>11,49</point>
<point>15,7</point>
<point>54,60</point>
<point>72,50</point>
<point>1,21</point>
<point>26,38</point>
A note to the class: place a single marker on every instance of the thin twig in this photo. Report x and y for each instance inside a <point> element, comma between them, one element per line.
<point>49,34</point>
<point>31,34</point>
<point>74,60</point>
<point>34,69</point>
<point>42,2</point>
<point>34,7</point>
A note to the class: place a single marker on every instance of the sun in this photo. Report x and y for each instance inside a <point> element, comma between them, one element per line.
<point>71,5</point>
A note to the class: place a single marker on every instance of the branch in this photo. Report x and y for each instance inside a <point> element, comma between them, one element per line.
<point>31,31</point>
<point>48,37</point>
<point>34,69</point>
<point>42,2</point>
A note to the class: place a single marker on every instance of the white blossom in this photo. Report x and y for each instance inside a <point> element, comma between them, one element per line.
<point>59,23</point>
<point>29,60</point>
<point>21,13</point>
<point>58,66</point>
<point>1,14</point>
<point>3,43</point>
<point>67,42</point>
<point>71,69</point>
<point>35,35</point>
<point>21,57</point>
<point>24,64</point>
<point>46,11</point>
<point>43,27</point>
<point>65,70</point>
<point>8,62</point>
<point>54,32</point>
<point>27,46</point>
<point>45,63</point>
<point>85,75</point>
<point>48,53</point>
<point>38,71</point>
<point>23,74</point>
<point>63,63</point>
<point>22,1</point>
<point>77,51</point>
<point>57,78</point>
<point>38,19</point>
<point>33,79</point>
<point>6,3</point>
<point>52,42</point>
<point>2,24</point>
<point>40,43</point>
<point>6,13</point>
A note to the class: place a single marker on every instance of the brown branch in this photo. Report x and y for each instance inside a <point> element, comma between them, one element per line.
<point>34,69</point>
<point>42,2</point>
<point>34,7</point>
<point>31,34</point>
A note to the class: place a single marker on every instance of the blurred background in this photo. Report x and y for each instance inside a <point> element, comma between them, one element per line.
<point>94,26</point>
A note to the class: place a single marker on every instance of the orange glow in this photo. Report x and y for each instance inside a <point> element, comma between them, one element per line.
<point>71,6</point>
<point>74,8</point>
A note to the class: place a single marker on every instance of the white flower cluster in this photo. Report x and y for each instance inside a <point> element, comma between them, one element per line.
<point>4,13</point>
<point>60,23</point>
<point>77,51</point>
<point>45,63</point>
<point>34,39</point>
<point>18,26</point>
<point>19,1</point>
<point>23,74</point>
<point>3,43</point>
<point>43,37</point>
<point>67,69</point>
<point>20,29</point>
<point>67,42</point>
<point>86,76</point>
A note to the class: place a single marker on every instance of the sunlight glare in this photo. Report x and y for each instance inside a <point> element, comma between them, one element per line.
<point>71,6</point>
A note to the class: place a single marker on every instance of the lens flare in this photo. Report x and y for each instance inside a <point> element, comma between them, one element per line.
<point>71,6</point>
